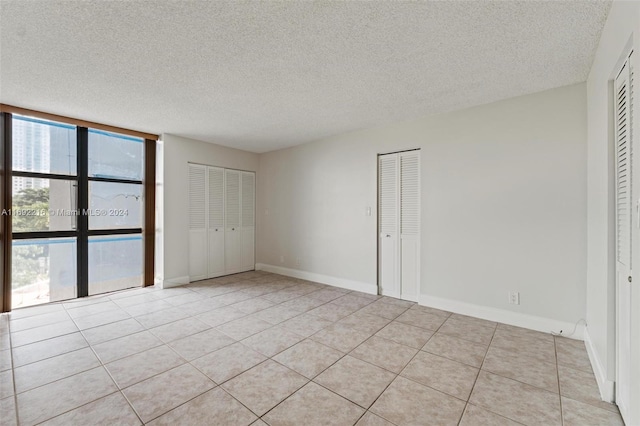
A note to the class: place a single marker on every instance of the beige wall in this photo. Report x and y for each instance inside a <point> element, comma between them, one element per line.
<point>503,205</point>
<point>173,222</point>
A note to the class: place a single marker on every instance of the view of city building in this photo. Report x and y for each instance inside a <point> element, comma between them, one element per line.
<point>45,269</point>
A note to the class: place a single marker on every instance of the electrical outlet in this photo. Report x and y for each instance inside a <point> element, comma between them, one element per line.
<point>297,261</point>
<point>281,259</point>
<point>514,298</point>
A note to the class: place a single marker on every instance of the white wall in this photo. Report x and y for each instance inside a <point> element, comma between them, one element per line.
<point>623,21</point>
<point>173,223</point>
<point>503,206</point>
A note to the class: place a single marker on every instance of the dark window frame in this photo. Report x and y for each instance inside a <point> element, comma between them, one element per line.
<point>5,219</point>
<point>82,179</point>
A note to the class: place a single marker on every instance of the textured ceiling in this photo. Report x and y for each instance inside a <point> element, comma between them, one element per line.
<point>265,75</point>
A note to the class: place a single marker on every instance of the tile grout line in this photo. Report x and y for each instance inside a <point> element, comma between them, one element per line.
<point>57,380</point>
<point>389,340</point>
<point>118,390</point>
<point>121,390</point>
<point>511,378</point>
<point>13,375</point>
<point>398,374</point>
<point>215,383</point>
<point>70,318</point>
<point>427,386</point>
<point>416,354</point>
<point>240,402</point>
<point>395,374</point>
<point>309,380</point>
<point>72,375</point>
<point>315,383</point>
<point>249,369</point>
<point>15,394</point>
<point>79,406</point>
<point>180,405</point>
<point>555,352</point>
<point>478,374</point>
<point>333,322</point>
<point>591,404</point>
<point>508,378</point>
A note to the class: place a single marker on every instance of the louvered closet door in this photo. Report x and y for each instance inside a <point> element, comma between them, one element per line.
<point>197,222</point>
<point>389,229</point>
<point>410,225</point>
<point>248,194</point>
<point>233,241</point>
<point>623,141</point>
<point>216,227</point>
<point>623,169</point>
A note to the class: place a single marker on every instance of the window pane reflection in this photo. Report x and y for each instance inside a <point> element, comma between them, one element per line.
<point>115,263</point>
<point>43,270</point>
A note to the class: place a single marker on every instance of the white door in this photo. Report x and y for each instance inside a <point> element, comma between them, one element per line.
<point>399,225</point>
<point>623,139</point>
<point>197,222</point>
<point>409,225</point>
<point>247,225</point>
<point>389,226</point>
<point>232,241</point>
<point>215,227</point>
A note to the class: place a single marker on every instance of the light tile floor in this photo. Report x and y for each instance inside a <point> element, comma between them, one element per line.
<point>258,348</point>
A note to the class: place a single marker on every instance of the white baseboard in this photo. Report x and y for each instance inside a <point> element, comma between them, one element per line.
<point>320,278</point>
<point>606,386</point>
<point>504,316</point>
<point>175,282</point>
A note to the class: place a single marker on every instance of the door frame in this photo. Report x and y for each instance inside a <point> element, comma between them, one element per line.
<point>623,265</point>
<point>378,211</point>
<point>609,392</point>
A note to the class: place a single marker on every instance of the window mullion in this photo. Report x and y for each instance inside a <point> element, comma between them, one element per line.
<point>83,205</point>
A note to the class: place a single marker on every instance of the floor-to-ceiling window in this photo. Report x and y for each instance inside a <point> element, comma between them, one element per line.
<point>77,210</point>
<point>44,202</point>
<point>115,172</point>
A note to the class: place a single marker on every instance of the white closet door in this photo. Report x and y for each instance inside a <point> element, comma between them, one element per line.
<point>216,227</point>
<point>623,138</point>
<point>389,211</point>
<point>232,242</point>
<point>248,194</point>
<point>410,225</point>
<point>197,222</point>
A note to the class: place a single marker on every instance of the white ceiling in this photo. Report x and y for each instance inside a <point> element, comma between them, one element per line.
<point>266,75</point>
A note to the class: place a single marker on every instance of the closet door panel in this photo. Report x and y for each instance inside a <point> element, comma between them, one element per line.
<point>197,222</point>
<point>409,264</point>
<point>248,194</point>
<point>197,256</point>
<point>248,249</point>
<point>388,237</point>
<point>232,241</point>
<point>216,228</point>
<point>410,225</point>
